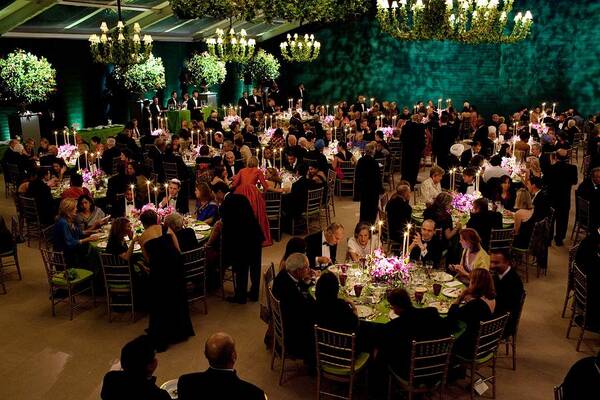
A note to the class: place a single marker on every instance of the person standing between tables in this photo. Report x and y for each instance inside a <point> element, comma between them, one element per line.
<point>560,178</point>
<point>135,381</point>
<point>413,144</point>
<point>242,242</point>
<point>368,185</point>
<point>220,380</point>
<point>321,247</point>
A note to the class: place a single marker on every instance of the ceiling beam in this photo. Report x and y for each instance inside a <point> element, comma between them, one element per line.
<point>271,33</point>
<point>209,30</point>
<point>103,6</point>
<point>24,14</point>
<point>85,18</point>
<point>153,16</point>
<point>12,7</point>
<point>19,33</point>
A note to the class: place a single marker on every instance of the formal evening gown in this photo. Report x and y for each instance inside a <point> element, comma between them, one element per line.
<point>245,184</point>
<point>169,313</point>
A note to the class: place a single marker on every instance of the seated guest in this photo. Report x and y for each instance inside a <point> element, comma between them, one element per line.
<point>207,210</point>
<point>539,198</point>
<point>296,244</point>
<point>362,243</point>
<point>186,237</point>
<point>297,306</point>
<point>509,288</point>
<point>232,166</point>
<point>467,155</point>
<point>589,189</point>
<point>483,221</point>
<point>76,188</point>
<point>412,323</point>
<point>332,312</point>
<point>110,153</point>
<point>438,212</point>
<point>68,237</point>
<point>119,230</point>
<point>294,203</point>
<point>504,193</point>
<point>41,193</point>
<point>88,215</point>
<point>220,380</point>
<point>244,150</point>
<point>291,163</point>
<point>342,154</point>
<point>523,223</point>
<point>204,156</point>
<point>522,146</point>
<point>174,198</point>
<point>135,381</point>
<point>321,247</point>
<point>494,170</point>
<point>588,260</point>
<point>475,304</point>
<point>50,157</point>
<point>426,245</point>
<point>220,175</point>
<point>316,176</point>
<point>582,378</point>
<point>43,149</point>
<point>125,206</point>
<point>468,181</point>
<point>431,186</point>
<point>398,212</point>
<point>473,256</point>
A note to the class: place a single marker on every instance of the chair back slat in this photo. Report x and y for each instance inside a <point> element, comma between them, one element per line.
<point>583,213</point>
<point>559,392</point>
<point>579,288</point>
<point>335,349</point>
<point>194,263</point>
<point>429,361</point>
<point>346,184</point>
<point>314,199</point>
<point>501,239</point>
<point>116,271</point>
<point>489,335</point>
<point>277,319</point>
<point>170,170</point>
<point>29,209</point>
<point>54,263</point>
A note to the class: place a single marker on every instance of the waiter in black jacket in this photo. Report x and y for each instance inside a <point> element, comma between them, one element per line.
<point>560,178</point>
<point>244,104</point>
<point>321,247</point>
<point>194,106</point>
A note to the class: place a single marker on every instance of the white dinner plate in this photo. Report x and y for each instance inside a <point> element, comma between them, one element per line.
<point>451,292</point>
<point>102,244</point>
<point>364,311</point>
<point>442,308</point>
<point>171,388</point>
<point>441,276</point>
<point>201,227</point>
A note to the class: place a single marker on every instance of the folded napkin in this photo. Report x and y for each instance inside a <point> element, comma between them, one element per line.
<point>453,284</point>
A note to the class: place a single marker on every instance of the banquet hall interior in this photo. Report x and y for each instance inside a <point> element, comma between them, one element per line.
<point>352,199</point>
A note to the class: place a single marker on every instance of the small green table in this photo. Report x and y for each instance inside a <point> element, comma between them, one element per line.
<point>176,117</point>
<point>103,133</point>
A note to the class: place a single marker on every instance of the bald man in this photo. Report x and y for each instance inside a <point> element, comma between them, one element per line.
<point>220,380</point>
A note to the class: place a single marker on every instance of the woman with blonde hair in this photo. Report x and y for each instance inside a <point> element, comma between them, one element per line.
<point>68,237</point>
<point>523,222</point>
<point>431,186</point>
<point>244,183</point>
<point>473,256</point>
<point>533,168</point>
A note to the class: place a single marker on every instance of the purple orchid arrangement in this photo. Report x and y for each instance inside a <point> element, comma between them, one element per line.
<point>463,202</point>
<point>387,131</point>
<point>388,270</point>
<point>329,119</point>
<point>66,151</point>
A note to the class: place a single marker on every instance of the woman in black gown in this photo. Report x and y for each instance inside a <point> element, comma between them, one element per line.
<point>169,313</point>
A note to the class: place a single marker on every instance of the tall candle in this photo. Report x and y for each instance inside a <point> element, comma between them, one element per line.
<point>150,121</point>
<point>530,128</point>
<point>280,159</point>
<point>405,245</point>
<point>56,138</point>
<point>553,108</point>
<point>380,223</point>
<point>78,166</point>
<point>86,160</point>
<point>274,151</point>
<point>132,194</point>
<point>148,185</point>
<point>156,196</point>
<point>98,157</point>
<point>372,234</point>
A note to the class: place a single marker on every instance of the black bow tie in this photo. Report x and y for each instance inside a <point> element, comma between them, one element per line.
<point>327,244</point>
<point>130,203</point>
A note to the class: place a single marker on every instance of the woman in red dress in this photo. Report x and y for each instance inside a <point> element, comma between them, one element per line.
<point>244,183</point>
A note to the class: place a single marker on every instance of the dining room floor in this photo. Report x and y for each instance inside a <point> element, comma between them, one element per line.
<point>45,357</point>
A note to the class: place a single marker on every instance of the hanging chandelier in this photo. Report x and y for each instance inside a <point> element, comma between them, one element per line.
<point>233,47</point>
<point>123,46</point>
<point>465,21</point>
<point>300,48</point>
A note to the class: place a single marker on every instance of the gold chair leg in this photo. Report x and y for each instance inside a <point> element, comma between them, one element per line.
<point>581,336</point>
<point>282,369</point>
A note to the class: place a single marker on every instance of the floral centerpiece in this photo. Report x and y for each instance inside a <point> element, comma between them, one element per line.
<point>388,270</point>
<point>93,178</point>
<point>266,136</point>
<point>67,152</point>
<point>228,120</point>
<point>328,120</point>
<point>26,78</point>
<point>161,211</point>
<point>387,132</point>
<point>464,202</point>
<point>206,70</point>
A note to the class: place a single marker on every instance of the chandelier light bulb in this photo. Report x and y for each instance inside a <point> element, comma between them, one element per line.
<point>103,27</point>
<point>120,25</point>
<point>137,28</point>
<point>528,15</point>
<point>518,17</point>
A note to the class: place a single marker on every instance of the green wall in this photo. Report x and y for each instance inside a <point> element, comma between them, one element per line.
<point>559,62</point>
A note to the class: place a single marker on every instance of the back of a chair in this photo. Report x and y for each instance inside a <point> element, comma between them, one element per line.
<point>48,237</point>
<point>12,174</point>
<point>583,212</point>
<point>540,234</point>
<point>308,161</point>
<point>572,254</point>
<point>313,201</point>
<point>170,170</point>
<point>116,271</point>
<point>429,361</point>
<point>54,263</point>
<point>273,204</point>
<point>559,392</point>
<point>277,319</point>
<point>395,147</point>
<point>348,170</point>
<point>116,163</point>
<point>335,349</point>
<point>194,263</point>
<point>579,288</point>
<point>519,313</point>
<point>489,336</point>
<point>30,210</point>
<point>330,182</point>
<point>501,239</point>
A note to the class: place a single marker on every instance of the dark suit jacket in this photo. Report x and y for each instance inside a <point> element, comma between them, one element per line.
<point>196,114</point>
<point>367,179</point>
<point>41,193</point>
<point>483,222</point>
<point>298,312</point>
<point>509,291</point>
<point>442,141</point>
<point>399,214</point>
<point>213,125</point>
<point>465,157</point>
<point>119,385</point>
<point>106,162</point>
<point>187,239</point>
<point>560,179</point>
<point>244,104</point>
<point>237,165</point>
<point>155,110</point>
<point>362,107</point>
<point>314,243</point>
<point>214,384</point>
<point>414,324</point>
<point>435,247</point>
<point>255,103</point>
<point>541,206</point>
<point>241,230</point>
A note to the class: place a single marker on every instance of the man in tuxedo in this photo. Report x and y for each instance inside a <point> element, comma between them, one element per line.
<point>291,163</point>
<point>124,207</point>
<point>300,94</point>
<point>220,380</point>
<point>321,247</point>
<point>539,197</point>
<point>360,104</point>
<point>232,165</point>
<point>443,139</point>
<point>174,198</point>
<point>483,221</point>
<point>193,105</point>
<point>560,179</point>
<point>155,112</point>
<point>368,184</point>
<point>297,306</point>
<point>426,245</point>
<point>173,103</point>
<point>110,153</point>
<point>398,212</point>
<point>509,288</point>
<point>135,380</point>
<point>242,242</point>
<point>589,190</point>
<point>244,104</point>
<point>256,101</point>
<point>467,155</point>
<point>213,122</point>
<point>275,94</point>
<point>413,144</point>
